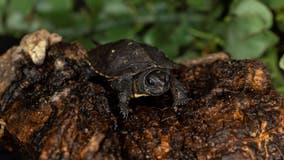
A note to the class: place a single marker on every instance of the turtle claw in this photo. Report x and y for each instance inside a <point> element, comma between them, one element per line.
<point>124,115</point>
<point>180,102</point>
<point>124,110</point>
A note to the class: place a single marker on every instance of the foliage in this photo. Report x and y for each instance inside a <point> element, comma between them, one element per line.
<point>183,29</point>
<point>281,62</point>
<point>249,34</point>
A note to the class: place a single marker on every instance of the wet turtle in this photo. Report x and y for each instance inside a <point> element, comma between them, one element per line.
<point>135,69</point>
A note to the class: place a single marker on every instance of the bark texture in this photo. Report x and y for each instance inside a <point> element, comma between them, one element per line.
<point>52,107</point>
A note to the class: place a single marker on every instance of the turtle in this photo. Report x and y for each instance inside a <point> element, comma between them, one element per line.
<point>134,69</point>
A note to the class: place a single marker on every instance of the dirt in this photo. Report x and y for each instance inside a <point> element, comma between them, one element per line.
<point>56,108</point>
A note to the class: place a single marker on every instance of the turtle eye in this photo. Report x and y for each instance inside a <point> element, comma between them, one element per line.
<point>157,78</point>
<point>150,81</point>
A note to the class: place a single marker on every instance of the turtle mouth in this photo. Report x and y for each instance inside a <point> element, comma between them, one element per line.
<point>154,82</point>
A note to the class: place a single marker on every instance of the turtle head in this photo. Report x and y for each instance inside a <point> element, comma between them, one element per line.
<point>154,82</point>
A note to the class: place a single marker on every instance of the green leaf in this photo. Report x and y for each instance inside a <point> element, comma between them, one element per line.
<point>2,3</point>
<point>159,37</point>
<point>115,7</point>
<point>23,7</point>
<point>200,4</point>
<point>95,6</point>
<point>2,10</point>
<point>280,20</point>
<point>247,25</point>
<point>281,62</point>
<point>252,46</point>
<point>115,33</point>
<point>52,6</point>
<point>270,60</point>
<point>55,14</point>
<point>248,8</point>
<point>181,35</point>
<point>248,34</point>
<point>17,22</point>
<point>274,4</point>
<point>17,13</point>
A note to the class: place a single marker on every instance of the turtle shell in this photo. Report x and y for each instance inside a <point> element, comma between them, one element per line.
<point>127,58</point>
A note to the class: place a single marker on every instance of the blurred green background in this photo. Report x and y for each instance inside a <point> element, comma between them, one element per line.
<point>183,29</point>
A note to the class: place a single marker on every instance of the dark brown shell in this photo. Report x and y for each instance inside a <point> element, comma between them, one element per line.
<point>127,58</point>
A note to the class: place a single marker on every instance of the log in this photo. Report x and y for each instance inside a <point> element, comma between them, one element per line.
<point>53,107</point>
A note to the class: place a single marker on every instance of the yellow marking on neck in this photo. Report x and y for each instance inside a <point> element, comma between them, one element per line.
<point>136,95</point>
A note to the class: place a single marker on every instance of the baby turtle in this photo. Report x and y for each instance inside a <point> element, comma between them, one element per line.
<point>135,69</point>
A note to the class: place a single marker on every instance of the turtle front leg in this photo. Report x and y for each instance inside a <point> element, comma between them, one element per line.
<point>124,88</point>
<point>179,93</point>
<point>123,103</point>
